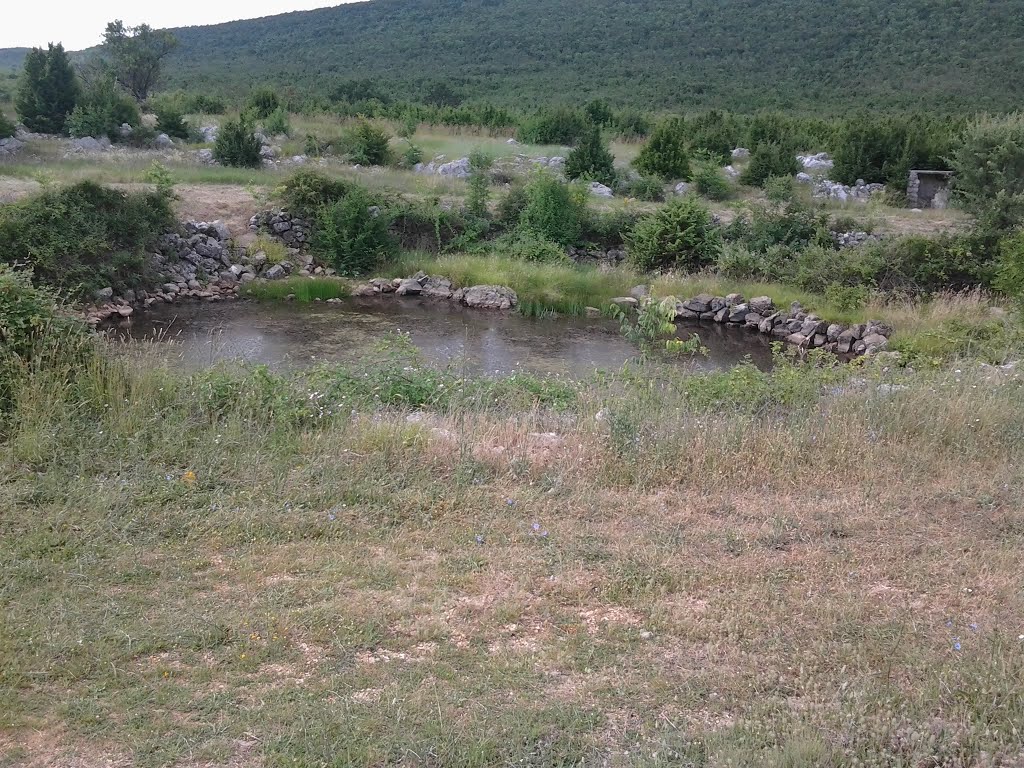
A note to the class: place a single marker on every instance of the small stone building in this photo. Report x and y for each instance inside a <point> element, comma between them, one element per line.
<point>929,189</point>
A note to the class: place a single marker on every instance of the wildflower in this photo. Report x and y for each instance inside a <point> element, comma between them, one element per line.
<point>949,622</point>
<point>331,516</point>
<point>973,626</point>
<point>536,527</point>
<point>189,478</point>
<point>479,538</point>
<point>510,502</point>
<point>956,643</point>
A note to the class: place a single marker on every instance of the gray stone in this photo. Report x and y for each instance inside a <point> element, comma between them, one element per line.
<point>409,287</point>
<point>639,292</point>
<point>722,315</point>
<point>740,153</point>
<point>682,188</point>
<point>820,340</point>
<point>738,313</point>
<point>597,189</point>
<point>699,304</point>
<point>437,287</point>
<point>170,287</point>
<point>627,302</point>
<point>813,327</point>
<point>383,285</point>
<point>833,331</point>
<point>752,319</point>
<point>104,294</point>
<point>163,141</point>
<point>734,298</point>
<point>877,327</point>
<point>717,304</point>
<point>857,330</point>
<point>489,297</point>
<point>763,305</point>
<point>875,341</point>
<point>275,272</point>
<point>797,339</point>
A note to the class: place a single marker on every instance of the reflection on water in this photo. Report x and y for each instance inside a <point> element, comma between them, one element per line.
<point>479,342</point>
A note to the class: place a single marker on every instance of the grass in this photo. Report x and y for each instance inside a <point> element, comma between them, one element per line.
<point>234,568</point>
<point>300,289</point>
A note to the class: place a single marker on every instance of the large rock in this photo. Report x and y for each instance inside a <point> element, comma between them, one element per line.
<point>487,297</point>
<point>275,272</point>
<point>10,145</point>
<point>409,287</point>
<point>699,304</point>
<point>163,141</point>
<point>763,305</point>
<point>437,287</point>
<point>89,144</point>
<point>821,161</point>
<point>597,189</point>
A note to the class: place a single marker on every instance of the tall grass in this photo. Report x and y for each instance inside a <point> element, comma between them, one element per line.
<point>300,289</point>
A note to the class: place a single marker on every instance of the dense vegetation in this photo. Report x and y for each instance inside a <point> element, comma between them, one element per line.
<point>793,54</point>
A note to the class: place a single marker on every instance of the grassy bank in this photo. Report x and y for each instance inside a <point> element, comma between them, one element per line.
<point>300,289</point>
<point>387,566</point>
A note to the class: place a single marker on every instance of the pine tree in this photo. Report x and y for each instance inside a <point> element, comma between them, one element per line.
<point>591,159</point>
<point>48,90</point>
<point>664,155</point>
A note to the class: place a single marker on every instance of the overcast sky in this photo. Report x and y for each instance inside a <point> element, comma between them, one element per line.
<point>78,24</point>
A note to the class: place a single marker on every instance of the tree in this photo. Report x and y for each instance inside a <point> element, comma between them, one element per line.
<point>680,235</point>
<point>766,161</point>
<point>238,145</point>
<point>101,110</point>
<point>135,55</point>
<point>664,154</point>
<point>591,159</point>
<point>48,90</point>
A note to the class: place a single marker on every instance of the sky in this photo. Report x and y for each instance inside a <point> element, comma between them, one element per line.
<point>80,24</point>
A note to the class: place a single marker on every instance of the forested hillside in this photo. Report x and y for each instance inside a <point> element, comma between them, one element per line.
<point>740,54</point>
<point>11,58</point>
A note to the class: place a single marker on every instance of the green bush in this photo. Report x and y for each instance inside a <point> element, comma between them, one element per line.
<point>553,126</point>
<point>171,122</point>
<point>307,191</point>
<point>591,159</point>
<point>367,145</point>
<point>552,210</point>
<point>422,225</point>
<point>510,207</point>
<point>410,156</point>
<point>679,236</point>
<point>32,323</point>
<point>527,246</point>
<point>276,123</point>
<point>847,298</point>
<point>737,262</point>
<point>48,90</point>
<point>101,112</point>
<point>649,188</point>
<point>237,144</point>
<point>792,225</point>
<point>664,155</point>
<point>479,183</point>
<point>262,103</point>
<point>607,228</point>
<point>989,167</point>
<point>769,160</point>
<point>7,128</point>
<point>1010,271</point>
<point>85,236</point>
<point>187,103</point>
<point>711,182</point>
<point>779,189</point>
<point>884,149</point>
<point>352,234</point>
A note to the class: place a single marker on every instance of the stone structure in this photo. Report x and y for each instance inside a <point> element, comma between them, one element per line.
<point>929,189</point>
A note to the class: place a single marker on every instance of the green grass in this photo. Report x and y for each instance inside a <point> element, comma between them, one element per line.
<point>300,557</point>
<point>301,289</point>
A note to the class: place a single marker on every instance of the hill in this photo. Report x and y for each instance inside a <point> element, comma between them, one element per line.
<point>946,55</point>
<point>11,58</point>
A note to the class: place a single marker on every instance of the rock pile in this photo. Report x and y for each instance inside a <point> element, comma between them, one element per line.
<point>833,190</point>
<point>456,169</point>
<point>819,162</point>
<point>422,284</point>
<point>292,230</point>
<point>796,326</point>
<point>10,146</point>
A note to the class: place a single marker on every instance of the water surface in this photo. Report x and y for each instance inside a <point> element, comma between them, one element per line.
<point>476,341</point>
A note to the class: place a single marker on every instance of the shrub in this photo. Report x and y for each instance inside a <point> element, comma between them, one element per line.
<point>307,191</point>
<point>237,144</point>
<point>769,160</point>
<point>426,226</point>
<point>679,236</point>
<point>847,298</point>
<point>711,182</point>
<point>714,133</point>
<point>85,236</point>
<point>591,159</point>
<point>410,156</point>
<point>527,246</point>
<point>367,145</point>
<point>511,206</point>
<point>276,123</point>
<point>7,128</point>
<point>647,188</point>
<point>664,154</point>
<point>779,189</point>
<point>737,262</point>
<point>32,322</point>
<point>607,228</point>
<point>883,150</point>
<point>479,183</point>
<point>170,121</point>
<point>102,111</point>
<point>262,103</point>
<point>1010,271</point>
<point>553,126</point>
<point>552,210</point>
<point>352,234</point>
<point>792,225</point>
<point>989,169</point>
<point>47,91</point>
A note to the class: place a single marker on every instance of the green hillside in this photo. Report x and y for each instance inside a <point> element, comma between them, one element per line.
<point>944,55</point>
<point>11,58</point>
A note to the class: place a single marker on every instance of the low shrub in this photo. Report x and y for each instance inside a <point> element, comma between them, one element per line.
<point>647,188</point>
<point>171,122</point>
<point>352,233</point>
<point>510,207</point>
<point>7,127</point>
<point>367,145</point>
<point>426,226</point>
<point>237,144</point>
<point>553,126</point>
<point>305,192</point>
<point>1010,270</point>
<point>527,246</point>
<point>711,182</point>
<point>85,236</point>
<point>553,211</point>
<point>779,189</point>
<point>664,155</point>
<point>479,184</point>
<point>791,225</point>
<point>608,228</point>
<point>591,160</point>
<point>679,236</point>
<point>767,160</point>
<point>101,112</point>
<point>262,103</point>
<point>276,123</point>
<point>410,156</point>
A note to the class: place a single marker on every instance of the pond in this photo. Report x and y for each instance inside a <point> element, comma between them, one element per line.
<point>474,341</point>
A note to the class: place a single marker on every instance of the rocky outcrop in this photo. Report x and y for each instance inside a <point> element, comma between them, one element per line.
<point>291,230</point>
<point>10,146</point>
<point>421,284</point>
<point>456,169</point>
<point>795,326</point>
<point>825,189</point>
<point>597,189</point>
<point>819,162</point>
